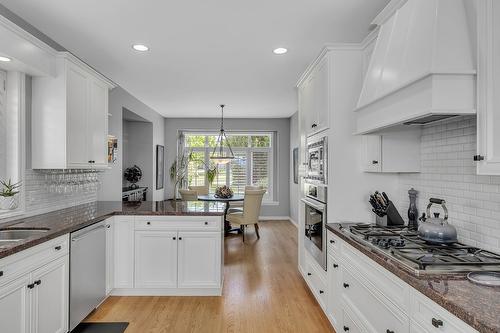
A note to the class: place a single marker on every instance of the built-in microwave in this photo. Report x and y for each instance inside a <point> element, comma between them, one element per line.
<point>317,159</point>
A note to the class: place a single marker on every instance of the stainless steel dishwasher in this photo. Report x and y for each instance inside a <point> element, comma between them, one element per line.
<point>87,271</point>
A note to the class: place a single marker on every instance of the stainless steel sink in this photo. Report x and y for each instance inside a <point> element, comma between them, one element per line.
<point>15,235</point>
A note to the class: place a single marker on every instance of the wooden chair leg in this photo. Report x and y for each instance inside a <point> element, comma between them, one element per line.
<point>243,232</point>
<point>257,230</point>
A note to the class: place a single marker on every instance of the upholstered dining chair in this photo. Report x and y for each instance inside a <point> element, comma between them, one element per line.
<point>200,190</point>
<point>188,195</point>
<point>251,211</point>
<point>238,206</point>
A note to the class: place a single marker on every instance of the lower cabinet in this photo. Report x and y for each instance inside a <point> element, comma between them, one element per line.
<point>334,307</point>
<point>155,259</point>
<point>199,259</point>
<point>351,323</point>
<point>34,295</point>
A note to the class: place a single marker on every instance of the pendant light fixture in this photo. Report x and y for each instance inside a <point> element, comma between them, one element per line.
<point>221,155</point>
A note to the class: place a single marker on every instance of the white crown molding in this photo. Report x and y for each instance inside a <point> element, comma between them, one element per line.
<point>71,57</point>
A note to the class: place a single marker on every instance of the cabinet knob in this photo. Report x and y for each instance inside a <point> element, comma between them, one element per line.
<point>180,238</point>
<point>309,274</point>
<point>321,292</point>
<point>346,285</point>
<point>389,331</point>
<point>58,247</point>
<point>374,162</point>
<point>314,125</point>
<point>335,265</point>
<point>332,241</point>
<point>31,286</point>
<point>437,322</point>
<point>108,226</point>
<point>206,223</point>
<point>346,329</point>
<point>478,158</point>
<point>173,238</point>
<point>148,223</point>
<point>38,282</point>
<point>1,273</point>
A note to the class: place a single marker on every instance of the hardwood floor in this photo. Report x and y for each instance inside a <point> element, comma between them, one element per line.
<point>263,292</point>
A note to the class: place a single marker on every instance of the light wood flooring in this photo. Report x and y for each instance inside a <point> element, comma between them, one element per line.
<point>263,292</point>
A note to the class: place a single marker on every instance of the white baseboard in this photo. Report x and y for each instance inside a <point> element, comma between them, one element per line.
<point>166,292</point>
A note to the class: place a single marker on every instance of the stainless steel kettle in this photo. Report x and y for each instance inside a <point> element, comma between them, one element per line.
<point>435,229</point>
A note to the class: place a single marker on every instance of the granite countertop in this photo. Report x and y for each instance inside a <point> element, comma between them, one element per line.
<point>478,306</point>
<point>67,220</point>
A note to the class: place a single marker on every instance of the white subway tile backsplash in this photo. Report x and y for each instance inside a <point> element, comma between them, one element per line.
<point>449,172</point>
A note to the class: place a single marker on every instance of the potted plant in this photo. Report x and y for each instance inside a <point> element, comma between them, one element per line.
<point>9,199</point>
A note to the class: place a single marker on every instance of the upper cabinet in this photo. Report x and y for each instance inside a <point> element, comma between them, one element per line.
<point>422,68</point>
<point>314,96</point>
<point>488,115</point>
<point>70,117</point>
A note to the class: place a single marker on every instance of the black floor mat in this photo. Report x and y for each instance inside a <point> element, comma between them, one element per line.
<point>100,328</point>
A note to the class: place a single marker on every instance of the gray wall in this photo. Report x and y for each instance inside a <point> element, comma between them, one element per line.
<point>294,188</point>
<point>281,162</point>
<point>119,98</point>
<point>137,140</point>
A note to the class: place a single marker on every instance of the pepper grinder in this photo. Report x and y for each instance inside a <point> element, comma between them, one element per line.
<point>412,210</point>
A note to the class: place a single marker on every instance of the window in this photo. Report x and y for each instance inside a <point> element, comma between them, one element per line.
<point>253,163</point>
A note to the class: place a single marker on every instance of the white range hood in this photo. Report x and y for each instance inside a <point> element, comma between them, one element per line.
<point>422,68</point>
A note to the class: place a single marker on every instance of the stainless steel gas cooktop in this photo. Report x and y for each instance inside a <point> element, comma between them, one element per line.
<point>405,247</point>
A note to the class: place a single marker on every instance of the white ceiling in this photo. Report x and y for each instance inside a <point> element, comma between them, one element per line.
<point>203,53</point>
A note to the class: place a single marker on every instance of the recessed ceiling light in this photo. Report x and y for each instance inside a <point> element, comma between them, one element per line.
<point>4,59</point>
<point>140,47</point>
<point>280,50</point>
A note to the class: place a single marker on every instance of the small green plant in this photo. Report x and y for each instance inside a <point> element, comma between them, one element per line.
<point>9,189</point>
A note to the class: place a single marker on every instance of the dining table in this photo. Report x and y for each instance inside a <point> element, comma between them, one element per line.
<point>213,198</point>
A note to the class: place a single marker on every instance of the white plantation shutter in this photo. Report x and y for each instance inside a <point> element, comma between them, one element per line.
<point>238,174</point>
<point>260,168</point>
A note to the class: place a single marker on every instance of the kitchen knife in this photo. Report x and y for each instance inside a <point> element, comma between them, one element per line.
<point>386,197</point>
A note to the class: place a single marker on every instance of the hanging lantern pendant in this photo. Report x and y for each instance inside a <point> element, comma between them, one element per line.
<point>219,154</point>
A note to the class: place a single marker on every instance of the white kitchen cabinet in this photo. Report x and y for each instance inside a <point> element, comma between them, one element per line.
<point>351,323</point>
<point>50,297</point>
<point>109,254</point>
<point>334,307</point>
<point>34,287</point>
<point>199,259</point>
<point>395,151</point>
<point>488,76</point>
<point>314,96</point>
<point>69,117</point>
<point>123,255</point>
<point>155,259</point>
<point>15,306</point>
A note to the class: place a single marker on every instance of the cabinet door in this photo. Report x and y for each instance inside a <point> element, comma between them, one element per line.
<point>322,95</point>
<point>308,104</point>
<point>98,123</point>
<point>155,259</point>
<point>14,306</point>
<point>50,301</point>
<point>109,254</point>
<point>372,153</point>
<point>351,323</point>
<point>199,260</point>
<point>334,307</point>
<point>123,263</point>
<point>77,106</point>
<point>488,113</point>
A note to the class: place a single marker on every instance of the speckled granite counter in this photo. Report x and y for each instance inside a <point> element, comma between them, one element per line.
<point>64,221</point>
<point>476,305</point>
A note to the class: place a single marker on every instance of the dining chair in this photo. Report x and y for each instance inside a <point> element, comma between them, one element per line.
<point>188,195</point>
<point>237,206</point>
<point>251,211</point>
<point>201,190</point>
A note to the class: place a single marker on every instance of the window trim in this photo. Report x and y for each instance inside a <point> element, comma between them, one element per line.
<point>272,150</point>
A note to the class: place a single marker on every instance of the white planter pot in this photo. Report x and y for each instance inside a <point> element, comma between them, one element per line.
<point>9,203</point>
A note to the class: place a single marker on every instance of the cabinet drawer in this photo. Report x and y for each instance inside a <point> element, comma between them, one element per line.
<point>387,284</point>
<point>32,258</point>
<point>333,242</point>
<point>317,282</point>
<point>179,223</point>
<point>350,323</point>
<point>363,300</point>
<point>433,318</point>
